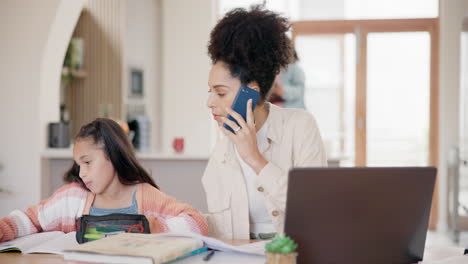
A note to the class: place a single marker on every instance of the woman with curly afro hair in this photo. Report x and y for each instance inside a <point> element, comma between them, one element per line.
<point>245,180</point>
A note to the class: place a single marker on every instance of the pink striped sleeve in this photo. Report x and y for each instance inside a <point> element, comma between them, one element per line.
<point>166,214</point>
<point>37,219</point>
<point>19,223</point>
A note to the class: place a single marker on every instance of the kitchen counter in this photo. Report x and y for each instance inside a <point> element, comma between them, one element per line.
<point>67,153</point>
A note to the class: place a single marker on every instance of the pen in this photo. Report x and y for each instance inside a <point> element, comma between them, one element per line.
<point>208,257</point>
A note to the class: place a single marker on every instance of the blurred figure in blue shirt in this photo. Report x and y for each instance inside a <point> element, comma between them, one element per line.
<point>289,86</point>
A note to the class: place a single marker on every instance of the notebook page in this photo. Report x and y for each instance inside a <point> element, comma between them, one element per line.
<point>27,242</point>
<point>56,245</point>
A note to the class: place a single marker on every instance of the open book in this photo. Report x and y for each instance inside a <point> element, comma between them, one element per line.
<point>152,248</point>
<point>257,248</point>
<point>47,242</point>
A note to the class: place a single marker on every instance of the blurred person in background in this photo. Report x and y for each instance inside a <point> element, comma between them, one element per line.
<point>289,86</point>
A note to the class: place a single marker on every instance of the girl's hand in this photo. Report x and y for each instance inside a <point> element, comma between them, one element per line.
<point>245,138</point>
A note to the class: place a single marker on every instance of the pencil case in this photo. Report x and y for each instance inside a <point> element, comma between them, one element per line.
<point>91,227</point>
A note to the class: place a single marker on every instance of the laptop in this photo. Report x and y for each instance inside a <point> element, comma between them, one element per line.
<point>359,215</point>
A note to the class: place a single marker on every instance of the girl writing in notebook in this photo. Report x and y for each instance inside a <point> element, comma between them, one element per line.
<point>245,180</point>
<point>105,178</point>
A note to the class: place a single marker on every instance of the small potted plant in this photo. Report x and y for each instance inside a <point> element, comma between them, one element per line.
<point>281,250</point>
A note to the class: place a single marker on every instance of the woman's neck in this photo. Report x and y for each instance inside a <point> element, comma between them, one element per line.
<point>261,114</point>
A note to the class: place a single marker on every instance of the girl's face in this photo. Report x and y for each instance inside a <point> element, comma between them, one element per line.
<point>222,90</point>
<point>96,170</point>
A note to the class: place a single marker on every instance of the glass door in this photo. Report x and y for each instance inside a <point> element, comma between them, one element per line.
<point>329,64</point>
<point>398,99</point>
<point>373,84</point>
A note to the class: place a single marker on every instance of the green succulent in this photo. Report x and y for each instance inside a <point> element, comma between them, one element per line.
<point>281,244</point>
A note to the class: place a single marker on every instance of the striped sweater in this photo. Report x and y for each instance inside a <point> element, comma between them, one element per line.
<point>60,211</point>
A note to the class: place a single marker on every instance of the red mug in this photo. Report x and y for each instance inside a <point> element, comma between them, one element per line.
<point>178,144</point>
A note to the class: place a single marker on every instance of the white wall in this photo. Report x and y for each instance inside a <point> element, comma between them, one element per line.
<point>35,35</point>
<point>452,13</point>
<point>186,26</point>
<point>143,50</point>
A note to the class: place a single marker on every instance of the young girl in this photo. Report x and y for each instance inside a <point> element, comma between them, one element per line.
<point>105,178</point>
<point>246,178</point>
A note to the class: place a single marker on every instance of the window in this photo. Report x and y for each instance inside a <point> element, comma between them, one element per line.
<point>342,9</point>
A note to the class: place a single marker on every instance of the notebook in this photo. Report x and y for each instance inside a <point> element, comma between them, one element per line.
<point>47,242</point>
<point>154,248</point>
<point>135,248</point>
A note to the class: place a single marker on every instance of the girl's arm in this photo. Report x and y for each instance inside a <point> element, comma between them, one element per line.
<point>19,223</point>
<point>166,214</point>
<point>57,213</point>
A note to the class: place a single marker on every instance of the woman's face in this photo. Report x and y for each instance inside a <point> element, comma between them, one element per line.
<point>222,90</point>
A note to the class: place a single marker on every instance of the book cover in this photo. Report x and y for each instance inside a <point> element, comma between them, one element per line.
<point>135,248</point>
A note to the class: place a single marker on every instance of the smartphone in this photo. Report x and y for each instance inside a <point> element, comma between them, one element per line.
<point>240,104</point>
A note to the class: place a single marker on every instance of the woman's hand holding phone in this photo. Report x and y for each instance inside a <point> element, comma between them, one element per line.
<point>245,138</point>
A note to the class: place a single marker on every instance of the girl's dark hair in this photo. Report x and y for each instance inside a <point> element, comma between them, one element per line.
<point>117,148</point>
<point>254,45</point>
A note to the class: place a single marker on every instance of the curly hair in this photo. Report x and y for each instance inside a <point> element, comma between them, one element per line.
<point>254,45</point>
